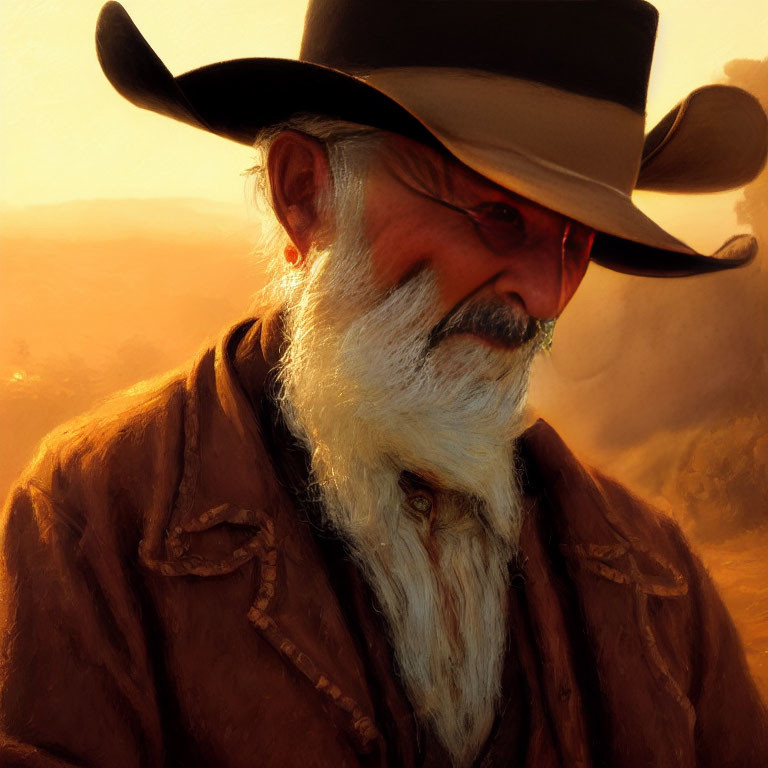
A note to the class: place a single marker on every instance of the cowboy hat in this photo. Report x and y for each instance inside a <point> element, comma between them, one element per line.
<point>544,97</point>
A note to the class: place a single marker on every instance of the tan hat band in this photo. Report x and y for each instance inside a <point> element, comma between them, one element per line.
<point>588,137</point>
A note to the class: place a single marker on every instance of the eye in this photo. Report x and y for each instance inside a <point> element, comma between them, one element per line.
<point>501,212</point>
<point>500,224</point>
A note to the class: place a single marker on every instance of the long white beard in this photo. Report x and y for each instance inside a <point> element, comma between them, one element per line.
<point>369,400</point>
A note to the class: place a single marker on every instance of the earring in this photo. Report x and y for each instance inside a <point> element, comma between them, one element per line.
<point>292,255</point>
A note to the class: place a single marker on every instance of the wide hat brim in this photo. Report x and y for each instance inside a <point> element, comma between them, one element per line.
<point>507,129</point>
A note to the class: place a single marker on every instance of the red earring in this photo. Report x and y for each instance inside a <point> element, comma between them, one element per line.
<point>292,255</point>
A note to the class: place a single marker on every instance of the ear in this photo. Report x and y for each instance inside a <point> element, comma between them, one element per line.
<point>299,175</point>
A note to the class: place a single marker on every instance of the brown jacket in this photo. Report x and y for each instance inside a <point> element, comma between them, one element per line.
<point>164,604</point>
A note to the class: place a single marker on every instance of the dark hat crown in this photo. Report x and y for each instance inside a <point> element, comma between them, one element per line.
<point>598,48</point>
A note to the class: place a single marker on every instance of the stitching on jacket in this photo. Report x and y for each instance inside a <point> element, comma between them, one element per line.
<point>591,556</point>
<point>183,564</point>
<point>652,648</point>
<point>363,726</point>
<point>599,559</point>
<point>188,484</point>
<point>594,555</point>
<point>262,545</point>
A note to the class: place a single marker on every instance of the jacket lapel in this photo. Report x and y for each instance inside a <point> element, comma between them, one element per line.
<point>228,479</point>
<point>601,534</point>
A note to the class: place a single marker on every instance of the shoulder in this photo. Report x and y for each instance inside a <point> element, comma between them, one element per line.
<point>637,521</point>
<point>129,423</point>
<point>144,461</point>
<point>587,502</point>
<point>610,538</point>
<point>101,469</point>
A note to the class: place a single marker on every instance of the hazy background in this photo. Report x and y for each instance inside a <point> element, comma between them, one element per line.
<point>125,246</point>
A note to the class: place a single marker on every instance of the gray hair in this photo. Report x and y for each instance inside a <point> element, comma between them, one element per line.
<point>349,147</point>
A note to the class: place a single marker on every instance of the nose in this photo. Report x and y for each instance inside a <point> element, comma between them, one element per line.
<point>545,275</point>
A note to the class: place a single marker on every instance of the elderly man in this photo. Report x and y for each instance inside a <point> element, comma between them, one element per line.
<point>335,542</point>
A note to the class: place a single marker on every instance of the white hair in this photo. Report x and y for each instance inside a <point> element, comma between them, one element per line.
<point>347,145</point>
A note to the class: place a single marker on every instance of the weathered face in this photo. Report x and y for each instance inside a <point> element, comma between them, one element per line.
<point>426,211</point>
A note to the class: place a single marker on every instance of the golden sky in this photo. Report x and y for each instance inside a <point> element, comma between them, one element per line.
<point>66,134</point>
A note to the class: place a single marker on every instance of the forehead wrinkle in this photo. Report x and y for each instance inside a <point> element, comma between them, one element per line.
<point>427,170</point>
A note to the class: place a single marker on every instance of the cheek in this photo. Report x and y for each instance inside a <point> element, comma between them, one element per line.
<point>404,245</point>
<point>397,249</point>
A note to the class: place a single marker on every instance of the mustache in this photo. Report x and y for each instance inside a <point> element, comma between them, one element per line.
<point>496,322</point>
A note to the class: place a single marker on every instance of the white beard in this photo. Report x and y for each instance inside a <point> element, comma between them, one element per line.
<point>368,400</point>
